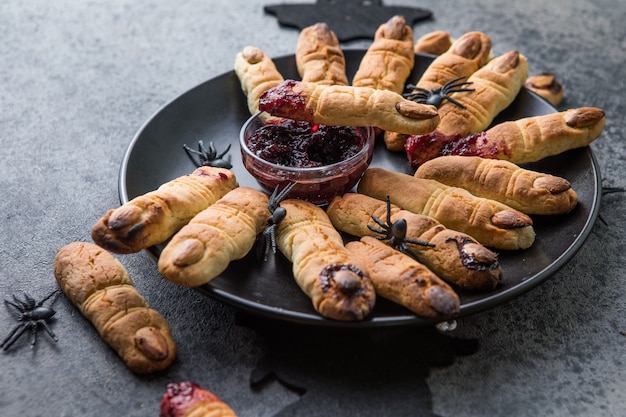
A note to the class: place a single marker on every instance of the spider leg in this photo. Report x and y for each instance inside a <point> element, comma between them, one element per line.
<point>378,222</point>
<point>19,305</point>
<point>278,196</point>
<point>453,101</point>
<point>48,330</point>
<point>206,151</point>
<point>408,251</point>
<point>13,336</point>
<point>388,210</point>
<point>33,333</point>
<point>190,153</point>
<point>40,303</point>
<point>380,231</point>
<point>453,83</point>
<point>419,242</point>
<point>29,301</point>
<point>220,156</point>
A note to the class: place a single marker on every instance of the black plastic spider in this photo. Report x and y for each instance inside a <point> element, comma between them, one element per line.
<point>267,240</point>
<point>208,156</point>
<point>395,234</point>
<point>32,315</point>
<point>436,96</point>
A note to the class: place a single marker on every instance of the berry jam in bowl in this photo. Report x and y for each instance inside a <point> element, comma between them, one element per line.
<point>323,161</point>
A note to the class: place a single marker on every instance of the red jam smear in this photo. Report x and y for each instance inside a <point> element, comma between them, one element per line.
<point>302,144</point>
<point>283,101</point>
<point>421,148</point>
<point>181,396</point>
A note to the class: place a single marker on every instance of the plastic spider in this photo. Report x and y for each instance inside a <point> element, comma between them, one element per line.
<point>436,96</point>
<point>395,234</point>
<point>32,315</point>
<point>208,156</point>
<point>267,240</point>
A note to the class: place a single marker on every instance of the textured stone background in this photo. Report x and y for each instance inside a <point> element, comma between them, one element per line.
<point>78,79</point>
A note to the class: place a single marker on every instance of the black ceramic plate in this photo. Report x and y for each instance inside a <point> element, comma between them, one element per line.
<point>215,110</point>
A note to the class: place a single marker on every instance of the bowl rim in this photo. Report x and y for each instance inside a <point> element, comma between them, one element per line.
<point>369,145</point>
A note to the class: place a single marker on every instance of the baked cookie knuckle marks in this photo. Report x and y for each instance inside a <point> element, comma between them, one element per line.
<point>455,257</point>
<point>389,60</point>
<point>100,287</point>
<point>336,281</point>
<point>534,138</point>
<point>405,281</point>
<point>495,86</point>
<point>152,218</point>
<point>337,105</point>
<point>464,57</point>
<point>256,72</point>
<point>489,222</point>
<point>223,232</point>
<point>319,57</point>
<point>528,191</point>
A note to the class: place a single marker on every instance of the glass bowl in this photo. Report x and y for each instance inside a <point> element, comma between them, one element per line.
<point>316,184</point>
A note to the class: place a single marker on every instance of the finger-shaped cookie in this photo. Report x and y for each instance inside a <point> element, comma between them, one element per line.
<point>100,287</point>
<point>337,282</point>
<point>223,232</point>
<point>403,280</point>
<point>529,139</point>
<point>525,190</point>
<point>389,60</point>
<point>257,73</point>
<point>433,43</point>
<point>489,222</point>
<point>494,87</point>
<point>547,87</point>
<point>319,57</point>
<point>454,256</point>
<point>337,105</point>
<point>464,57</point>
<point>152,218</point>
<point>188,399</point>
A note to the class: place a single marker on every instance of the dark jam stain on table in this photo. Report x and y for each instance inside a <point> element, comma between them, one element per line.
<point>300,144</point>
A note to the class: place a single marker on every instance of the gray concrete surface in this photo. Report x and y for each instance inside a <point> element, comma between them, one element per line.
<point>78,79</point>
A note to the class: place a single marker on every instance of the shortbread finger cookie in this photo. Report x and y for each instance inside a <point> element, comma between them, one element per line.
<point>319,57</point>
<point>547,87</point>
<point>525,190</point>
<point>433,43</point>
<point>454,256</point>
<point>154,217</point>
<point>489,222</point>
<point>257,73</point>
<point>494,87</point>
<point>188,399</point>
<point>100,287</point>
<point>390,58</point>
<point>403,280</point>
<point>223,232</point>
<point>464,57</point>
<point>337,282</point>
<point>519,141</point>
<point>337,105</point>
